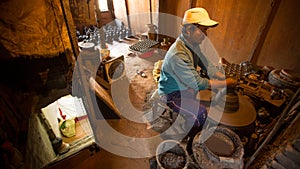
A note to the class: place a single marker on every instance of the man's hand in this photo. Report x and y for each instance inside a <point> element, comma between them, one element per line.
<point>231,82</point>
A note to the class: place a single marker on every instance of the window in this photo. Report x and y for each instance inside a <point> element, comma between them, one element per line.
<point>103,5</point>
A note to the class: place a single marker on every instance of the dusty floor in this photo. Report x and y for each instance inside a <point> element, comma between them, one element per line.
<point>140,87</point>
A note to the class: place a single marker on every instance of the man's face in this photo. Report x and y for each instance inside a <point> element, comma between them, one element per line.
<point>198,33</point>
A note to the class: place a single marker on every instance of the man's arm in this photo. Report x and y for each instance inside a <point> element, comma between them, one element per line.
<point>222,83</point>
<point>186,73</point>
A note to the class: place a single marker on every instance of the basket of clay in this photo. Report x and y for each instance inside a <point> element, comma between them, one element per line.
<point>222,149</point>
<point>171,154</point>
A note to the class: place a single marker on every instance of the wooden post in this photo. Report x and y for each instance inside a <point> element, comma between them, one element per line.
<point>261,37</point>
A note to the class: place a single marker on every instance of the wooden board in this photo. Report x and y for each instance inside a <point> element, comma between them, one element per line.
<point>103,95</point>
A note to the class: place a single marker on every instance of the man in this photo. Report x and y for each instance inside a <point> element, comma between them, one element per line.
<point>179,80</point>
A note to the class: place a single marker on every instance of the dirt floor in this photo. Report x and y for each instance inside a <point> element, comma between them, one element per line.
<point>140,87</point>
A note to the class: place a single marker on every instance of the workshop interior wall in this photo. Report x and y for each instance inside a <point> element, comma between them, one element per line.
<point>39,30</point>
<point>281,48</point>
<point>240,26</point>
<point>33,29</point>
<point>249,30</point>
<point>83,12</point>
<point>170,19</point>
<point>121,11</point>
<point>139,14</point>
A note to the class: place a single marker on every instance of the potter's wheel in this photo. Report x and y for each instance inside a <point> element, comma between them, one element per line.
<point>232,109</point>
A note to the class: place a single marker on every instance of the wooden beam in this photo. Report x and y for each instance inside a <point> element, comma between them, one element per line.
<point>103,95</point>
<point>261,37</point>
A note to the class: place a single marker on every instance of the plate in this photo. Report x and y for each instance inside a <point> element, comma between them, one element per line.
<point>86,45</point>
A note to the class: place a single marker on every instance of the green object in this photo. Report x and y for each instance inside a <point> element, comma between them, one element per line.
<point>67,128</point>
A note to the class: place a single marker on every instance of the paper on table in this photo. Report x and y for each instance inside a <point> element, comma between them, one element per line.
<point>50,113</point>
<point>70,107</point>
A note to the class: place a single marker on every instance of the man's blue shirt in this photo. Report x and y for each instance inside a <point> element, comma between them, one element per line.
<point>178,71</point>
